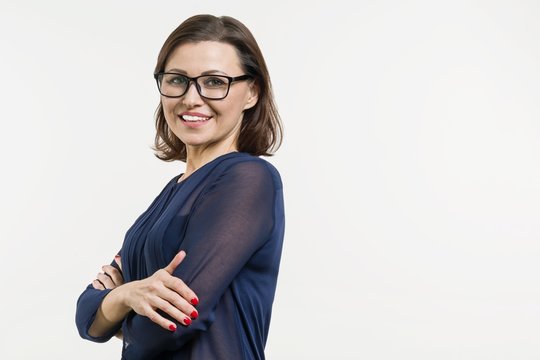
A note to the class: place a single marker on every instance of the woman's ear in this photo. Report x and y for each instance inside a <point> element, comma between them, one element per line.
<point>252,96</point>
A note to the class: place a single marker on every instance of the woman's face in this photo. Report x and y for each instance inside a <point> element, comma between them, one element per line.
<point>200,123</point>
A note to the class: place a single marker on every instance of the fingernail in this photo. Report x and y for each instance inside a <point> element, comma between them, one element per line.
<point>194,314</point>
<point>187,321</point>
<point>172,327</point>
<point>194,301</point>
<point>117,256</point>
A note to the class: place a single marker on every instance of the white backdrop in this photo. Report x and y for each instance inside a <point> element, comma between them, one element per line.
<point>410,166</point>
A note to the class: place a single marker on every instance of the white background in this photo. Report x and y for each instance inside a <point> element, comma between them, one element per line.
<point>410,165</point>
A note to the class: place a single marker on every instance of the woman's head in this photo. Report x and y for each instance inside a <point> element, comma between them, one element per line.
<point>259,128</point>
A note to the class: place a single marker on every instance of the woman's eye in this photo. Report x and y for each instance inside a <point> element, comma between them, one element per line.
<point>177,80</point>
<point>214,82</point>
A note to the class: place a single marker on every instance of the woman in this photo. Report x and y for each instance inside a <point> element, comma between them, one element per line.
<point>199,266</point>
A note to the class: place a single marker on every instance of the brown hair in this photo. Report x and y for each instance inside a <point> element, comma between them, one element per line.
<point>261,129</point>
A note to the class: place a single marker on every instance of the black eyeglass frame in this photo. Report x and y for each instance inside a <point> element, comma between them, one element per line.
<point>197,86</point>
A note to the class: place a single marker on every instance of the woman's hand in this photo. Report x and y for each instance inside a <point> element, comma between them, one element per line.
<point>110,277</point>
<point>165,292</point>
<point>161,291</point>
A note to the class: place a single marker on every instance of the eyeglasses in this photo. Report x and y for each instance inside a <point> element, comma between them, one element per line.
<point>212,87</point>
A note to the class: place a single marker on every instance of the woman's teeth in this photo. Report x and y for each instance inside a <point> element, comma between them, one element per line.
<point>194,118</point>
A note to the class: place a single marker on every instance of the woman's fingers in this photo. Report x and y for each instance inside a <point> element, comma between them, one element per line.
<point>97,285</point>
<point>179,303</point>
<point>165,292</point>
<point>149,309</point>
<point>114,274</point>
<point>106,281</point>
<point>179,287</point>
<point>110,278</point>
<point>160,320</point>
<point>118,261</point>
<point>173,311</point>
<point>175,262</point>
<point>169,294</point>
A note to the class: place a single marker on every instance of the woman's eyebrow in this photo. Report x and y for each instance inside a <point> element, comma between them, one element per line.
<point>208,72</point>
<point>213,72</point>
<point>176,71</point>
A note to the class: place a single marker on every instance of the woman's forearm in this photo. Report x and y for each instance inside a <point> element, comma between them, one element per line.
<point>112,311</point>
<point>161,291</point>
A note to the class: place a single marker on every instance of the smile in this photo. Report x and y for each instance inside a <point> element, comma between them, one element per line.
<point>193,118</point>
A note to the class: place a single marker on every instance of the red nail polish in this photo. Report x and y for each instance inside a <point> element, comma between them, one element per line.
<point>172,327</point>
<point>187,321</point>
<point>194,301</point>
<point>194,314</point>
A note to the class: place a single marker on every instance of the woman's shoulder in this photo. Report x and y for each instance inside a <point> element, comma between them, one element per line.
<point>253,167</point>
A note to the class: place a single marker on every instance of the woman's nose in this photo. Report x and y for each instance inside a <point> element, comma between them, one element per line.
<point>192,97</point>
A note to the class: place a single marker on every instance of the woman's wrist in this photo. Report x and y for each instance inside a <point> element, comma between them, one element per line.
<point>116,303</point>
<point>114,308</point>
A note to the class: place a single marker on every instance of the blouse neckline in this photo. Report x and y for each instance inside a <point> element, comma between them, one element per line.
<point>175,179</point>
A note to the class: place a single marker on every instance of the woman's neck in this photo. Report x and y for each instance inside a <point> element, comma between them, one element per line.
<point>197,157</point>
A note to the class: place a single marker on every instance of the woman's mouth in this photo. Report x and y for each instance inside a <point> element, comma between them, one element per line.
<point>193,120</point>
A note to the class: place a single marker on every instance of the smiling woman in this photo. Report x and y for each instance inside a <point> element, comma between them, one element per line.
<point>235,54</point>
<point>196,274</point>
<point>203,124</point>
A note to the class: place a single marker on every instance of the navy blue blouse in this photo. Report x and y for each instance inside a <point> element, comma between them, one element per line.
<point>228,216</point>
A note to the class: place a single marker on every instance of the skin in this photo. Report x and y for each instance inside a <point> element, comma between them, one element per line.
<point>159,291</point>
<point>219,135</point>
<point>216,137</point>
<point>109,279</point>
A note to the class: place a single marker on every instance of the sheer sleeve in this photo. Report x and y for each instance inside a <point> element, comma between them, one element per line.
<point>232,219</point>
<point>87,306</point>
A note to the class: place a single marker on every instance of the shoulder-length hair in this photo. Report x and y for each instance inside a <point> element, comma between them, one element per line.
<point>261,130</point>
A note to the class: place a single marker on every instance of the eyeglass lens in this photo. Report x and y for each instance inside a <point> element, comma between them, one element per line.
<point>209,86</point>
